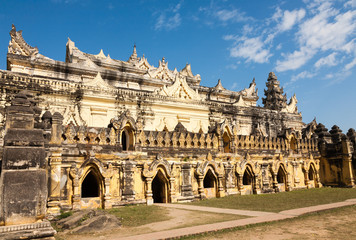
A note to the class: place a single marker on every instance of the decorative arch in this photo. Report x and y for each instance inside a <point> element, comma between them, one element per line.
<point>127,137</point>
<point>211,172</point>
<point>247,179</point>
<point>241,166</point>
<point>125,126</point>
<point>280,176</point>
<point>311,172</point>
<point>150,170</point>
<point>91,187</point>
<point>120,122</point>
<point>160,186</point>
<point>202,168</point>
<point>292,137</point>
<point>312,176</point>
<point>210,183</point>
<point>159,181</point>
<point>92,162</point>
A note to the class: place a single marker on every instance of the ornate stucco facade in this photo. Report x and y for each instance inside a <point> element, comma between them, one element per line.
<point>122,132</point>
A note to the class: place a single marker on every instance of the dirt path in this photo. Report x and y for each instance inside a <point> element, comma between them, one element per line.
<point>339,224</point>
<point>329,225</point>
<point>179,219</point>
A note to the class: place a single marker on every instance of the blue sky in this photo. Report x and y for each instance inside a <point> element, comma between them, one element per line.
<point>310,44</point>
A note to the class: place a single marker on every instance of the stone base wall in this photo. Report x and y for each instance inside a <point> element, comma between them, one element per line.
<point>148,179</point>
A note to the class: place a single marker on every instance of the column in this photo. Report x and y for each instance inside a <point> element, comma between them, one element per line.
<point>107,195</point>
<point>149,194</point>
<point>201,186</point>
<point>55,162</point>
<point>171,190</point>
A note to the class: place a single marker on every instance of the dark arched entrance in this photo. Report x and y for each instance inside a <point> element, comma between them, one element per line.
<point>123,141</point>
<point>312,177</point>
<point>210,184</point>
<point>90,186</point>
<point>248,181</point>
<point>281,179</point>
<point>160,188</point>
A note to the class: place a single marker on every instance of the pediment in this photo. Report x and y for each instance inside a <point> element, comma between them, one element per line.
<point>97,82</point>
<point>162,72</point>
<point>180,89</point>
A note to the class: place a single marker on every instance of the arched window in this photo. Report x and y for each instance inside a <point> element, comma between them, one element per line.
<point>127,138</point>
<point>226,142</point>
<point>123,141</point>
<point>293,144</point>
<point>90,186</point>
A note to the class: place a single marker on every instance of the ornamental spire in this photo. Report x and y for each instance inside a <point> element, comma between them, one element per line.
<point>133,58</point>
<point>274,99</point>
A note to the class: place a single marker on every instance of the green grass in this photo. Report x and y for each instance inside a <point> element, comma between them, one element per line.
<point>64,215</point>
<point>281,201</point>
<point>225,232</point>
<point>137,215</point>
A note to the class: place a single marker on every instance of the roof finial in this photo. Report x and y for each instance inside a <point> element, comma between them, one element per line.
<point>134,50</point>
<point>133,57</point>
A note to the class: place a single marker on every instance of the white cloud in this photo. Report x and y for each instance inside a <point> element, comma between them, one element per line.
<point>229,37</point>
<point>337,77</point>
<point>302,75</point>
<point>225,15</point>
<point>252,49</point>
<point>289,19</point>
<point>350,3</point>
<point>247,29</point>
<point>327,61</point>
<point>232,15</point>
<point>295,60</point>
<point>326,30</point>
<point>277,15</point>
<point>350,65</point>
<point>169,19</point>
<point>318,32</point>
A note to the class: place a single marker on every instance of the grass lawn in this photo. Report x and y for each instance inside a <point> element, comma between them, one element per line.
<point>137,215</point>
<point>277,202</point>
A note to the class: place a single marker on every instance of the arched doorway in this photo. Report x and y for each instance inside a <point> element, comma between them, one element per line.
<point>160,188</point>
<point>248,181</point>
<point>91,190</point>
<point>210,184</point>
<point>312,176</point>
<point>226,142</point>
<point>127,138</point>
<point>281,179</point>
